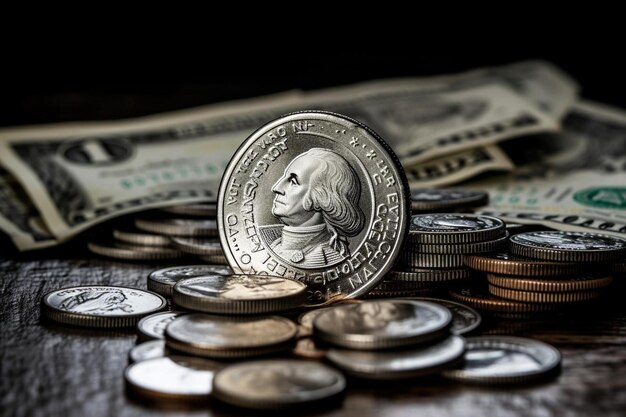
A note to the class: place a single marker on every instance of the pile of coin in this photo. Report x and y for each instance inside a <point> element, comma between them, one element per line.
<point>167,233</point>
<point>544,272</point>
<point>437,200</point>
<point>432,257</point>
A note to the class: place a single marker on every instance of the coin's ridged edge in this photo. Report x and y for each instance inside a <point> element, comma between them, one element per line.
<point>520,267</point>
<point>215,259</point>
<point>463,248</point>
<point>401,294</point>
<point>230,352</point>
<point>537,285</point>
<point>443,302</point>
<point>227,306</point>
<point>196,250</point>
<point>151,253</point>
<point>430,275</point>
<point>503,305</point>
<point>380,344</point>
<point>543,297</point>
<point>565,256</point>
<point>430,260</point>
<point>173,230</point>
<point>414,285</point>
<point>140,239</point>
<point>160,288</point>
<point>455,237</point>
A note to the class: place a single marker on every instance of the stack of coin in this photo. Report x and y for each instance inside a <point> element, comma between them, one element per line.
<point>389,339</point>
<point>545,271</point>
<point>432,258</point>
<point>437,200</point>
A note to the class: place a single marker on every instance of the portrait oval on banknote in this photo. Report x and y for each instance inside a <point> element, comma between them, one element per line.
<point>318,197</point>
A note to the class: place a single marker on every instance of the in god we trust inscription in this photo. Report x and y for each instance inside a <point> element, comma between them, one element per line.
<point>318,197</point>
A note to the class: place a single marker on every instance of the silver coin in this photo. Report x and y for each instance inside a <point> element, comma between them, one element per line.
<point>306,321</point>
<point>462,248</point>
<point>162,281</point>
<point>397,364</point>
<point>464,318</point>
<point>382,324</point>
<point>147,350</point>
<point>431,260</point>
<point>100,306</point>
<point>196,209</point>
<point>153,326</point>
<point>446,228</point>
<point>177,227</point>
<point>229,337</point>
<point>277,384</point>
<point>127,251</point>
<point>568,246</point>
<point>198,245</point>
<point>172,378</point>
<point>428,275</point>
<point>239,294</point>
<point>317,197</point>
<point>505,359</point>
<point>446,198</point>
<point>137,237</point>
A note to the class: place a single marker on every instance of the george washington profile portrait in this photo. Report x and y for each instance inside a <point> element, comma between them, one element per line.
<point>317,203</point>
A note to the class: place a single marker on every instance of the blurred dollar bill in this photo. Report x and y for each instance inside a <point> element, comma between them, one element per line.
<point>79,174</point>
<point>575,180</point>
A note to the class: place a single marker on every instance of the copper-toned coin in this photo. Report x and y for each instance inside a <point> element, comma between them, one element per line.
<point>541,285</point>
<point>481,301</point>
<point>507,264</point>
<point>544,297</point>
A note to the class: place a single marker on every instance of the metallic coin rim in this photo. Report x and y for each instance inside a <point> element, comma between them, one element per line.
<point>194,249</point>
<point>164,288</point>
<point>231,397</point>
<point>132,356</point>
<point>144,335</point>
<point>566,255</point>
<point>430,260</point>
<point>520,267</point>
<point>137,238</point>
<point>428,275</point>
<point>393,158</point>
<point>88,320</point>
<point>463,248</point>
<point>386,294</point>
<point>482,199</point>
<point>543,297</point>
<point>464,330</point>
<point>217,305</point>
<point>540,285</point>
<point>154,394</point>
<point>158,227</point>
<point>375,342</point>
<point>372,372</point>
<point>505,342</point>
<point>456,237</point>
<point>186,210</point>
<point>501,305</point>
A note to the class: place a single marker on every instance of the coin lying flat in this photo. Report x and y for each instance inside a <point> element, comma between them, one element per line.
<point>196,210</point>
<point>162,281</point>
<point>198,245</point>
<point>397,364</point>
<point>544,297</point>
<point>306,321</point>
<point>137,237</point>
<point>482,301</point>
<point>100,306</point>
<point>229,337</point>
<point>120,250</point>
<point>172,378</point>
<point>277,384</point>
<point>428,275</point>
<point>451,228</point>
<point>572,284</point>
<point>464,318</point>
<point>477,247</point>
<point>147,350</point>
<point>177,227</point>
<point>504,360</point>
<point>318,197</point>
<point>507,264</point>
<point>153,326</point>
<point>568,246</point>
<point>307,348</point>
<point>438,199</point>
<point>239,294</point>
<point>382,324</point>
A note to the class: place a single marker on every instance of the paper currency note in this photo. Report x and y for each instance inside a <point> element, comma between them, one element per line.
<point>573,181</point>
<point>80,174</point>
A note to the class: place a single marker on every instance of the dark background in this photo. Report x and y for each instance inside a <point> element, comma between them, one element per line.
<point>53,90</point>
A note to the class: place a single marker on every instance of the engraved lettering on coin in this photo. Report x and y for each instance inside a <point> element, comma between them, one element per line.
<point>317,202</point>
<point>317,197</point>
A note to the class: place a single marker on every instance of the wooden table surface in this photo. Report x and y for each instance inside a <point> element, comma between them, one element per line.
<point>54,370</point>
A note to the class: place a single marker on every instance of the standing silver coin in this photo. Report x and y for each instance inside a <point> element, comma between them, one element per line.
<point>172,378</point>
<point>277,384</point>
<point>162,281</point>
<point>382,324</point>
<point>317,197</point>
<point>464,318</point>
<point>504,360</point>
<point>100,306</point>
<point>239,294</point>
<point>153,326</point>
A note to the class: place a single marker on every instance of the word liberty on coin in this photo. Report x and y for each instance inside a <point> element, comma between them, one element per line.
<point>339,205</point>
